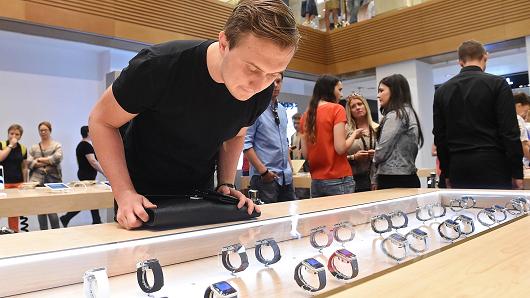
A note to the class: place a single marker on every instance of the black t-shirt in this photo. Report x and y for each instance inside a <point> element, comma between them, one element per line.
<point>85,171</point>
<point>13,164</point>
<point>183,117</point>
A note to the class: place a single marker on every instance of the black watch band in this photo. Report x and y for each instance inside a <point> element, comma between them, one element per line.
<point>275,248</point>
<point>234,248</point>
<point>229,185</point>
<point>264,173</point>
<point>141,275</point>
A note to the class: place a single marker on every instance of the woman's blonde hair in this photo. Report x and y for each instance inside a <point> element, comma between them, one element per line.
<point>351,125</point>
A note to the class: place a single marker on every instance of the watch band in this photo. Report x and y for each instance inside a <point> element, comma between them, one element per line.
<point>433,207</point>
<point>399,213</point>
<point>381,217</point>
<point>418,234</point>
<point>320,230</point>
<point>421,210</point>
<point>275,248</point>
<point>449,224</point>
<point>346,225</point>
<point>517,206</point>
<point>397,240</point>
<point>229,185</point>
<point>488,213</point>
<point>96,283</point>
<point>141,275</point>
<point>339,255</point>
<point>455,204</point>
<point>225,257</point>
<point>301,281</point>
<point>502,210</point>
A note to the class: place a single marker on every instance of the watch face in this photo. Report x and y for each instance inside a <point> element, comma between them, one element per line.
<point>346,253</point>
<point>451,222</point>
<point>419,232</point>
<point>314,263</point>
<point>398,237</point>
<point>466,218</point>
<point>224,288</point>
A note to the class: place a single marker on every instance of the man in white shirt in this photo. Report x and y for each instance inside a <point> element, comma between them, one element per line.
<point>522,105</point>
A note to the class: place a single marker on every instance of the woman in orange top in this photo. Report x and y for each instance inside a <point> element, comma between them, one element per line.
<point>325,142</point>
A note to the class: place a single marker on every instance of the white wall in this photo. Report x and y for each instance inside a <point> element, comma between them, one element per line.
<point>53,80</point>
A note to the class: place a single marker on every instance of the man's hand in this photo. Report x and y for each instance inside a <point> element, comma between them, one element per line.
<point>373,187</point>
<point>447,183</point>
<point>269,177</point>
<point>131,210</point>
<point>241,197</point>
<point>13,142</point>
<point>517,184</point>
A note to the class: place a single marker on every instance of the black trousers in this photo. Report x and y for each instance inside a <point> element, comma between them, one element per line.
<point>482,169</point>
<point>398,181</point>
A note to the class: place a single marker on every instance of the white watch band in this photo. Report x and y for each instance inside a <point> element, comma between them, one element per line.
<point>96,283</point>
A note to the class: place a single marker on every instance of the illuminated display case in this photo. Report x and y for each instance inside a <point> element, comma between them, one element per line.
<point>191,257</point>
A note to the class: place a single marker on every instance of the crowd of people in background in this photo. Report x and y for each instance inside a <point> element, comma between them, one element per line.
<point>41,164</point>
<point>480,140</point>
<point>336,13</point>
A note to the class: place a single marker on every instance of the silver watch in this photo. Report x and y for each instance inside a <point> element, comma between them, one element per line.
<point>418,236</point>
<point>381,223</point>
<point>449,230</point>
<point>345,225</point>
<point>397,242</point>
<point>467,225</point>
<point>486,217</point>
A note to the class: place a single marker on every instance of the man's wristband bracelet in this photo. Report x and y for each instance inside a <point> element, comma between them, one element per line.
<point>264,173</point>
<point>229,185</point>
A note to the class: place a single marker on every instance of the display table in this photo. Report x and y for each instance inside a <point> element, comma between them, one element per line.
<point>41,201</point>
<point>55,260</point>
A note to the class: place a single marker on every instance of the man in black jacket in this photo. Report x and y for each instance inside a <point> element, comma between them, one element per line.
<point>475,126</point>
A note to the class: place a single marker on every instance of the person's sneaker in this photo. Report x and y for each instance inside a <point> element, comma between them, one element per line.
<point>64,221</point>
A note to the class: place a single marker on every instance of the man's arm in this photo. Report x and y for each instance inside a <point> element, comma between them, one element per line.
<point>104,121</point>
<point>227,165</point>
<point>509,132</point>
<point>440,136</point>
<point>94,162</point>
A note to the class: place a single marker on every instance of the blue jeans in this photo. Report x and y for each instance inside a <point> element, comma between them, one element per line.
<point>331,187</point>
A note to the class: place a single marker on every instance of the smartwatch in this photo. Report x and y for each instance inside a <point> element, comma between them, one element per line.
<point>437,210</point>
<point>315,232</point>
<point>314,267</point>
<point>502,210</point>
<point>399,242</point>
<point>225,257</point>
<point>397,214</point>
<point>467,224</point>
<point>275,248</point>
<point>141,275</point>
<point>487,217</point>
<point>424,213</point>
<point>418,235</point>
<point>376,226</point>
<point>345,225</point>
<point>96,283</point>
<point>517,206</point>
<point>451,226</point>
<point>220,289</point>
<point>345,256</point>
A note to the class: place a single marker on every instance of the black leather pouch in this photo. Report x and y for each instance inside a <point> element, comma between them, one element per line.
<point>198,208</point>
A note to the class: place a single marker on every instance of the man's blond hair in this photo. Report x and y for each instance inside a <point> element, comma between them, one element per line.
<point>270,19</point>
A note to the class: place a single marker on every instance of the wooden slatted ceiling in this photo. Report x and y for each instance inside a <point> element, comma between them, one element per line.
<point>417,25</point>
<point>426,29</point>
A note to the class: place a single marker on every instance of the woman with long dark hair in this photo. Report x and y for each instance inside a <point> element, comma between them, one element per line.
<point>325,142</point>
<point>399,136</point>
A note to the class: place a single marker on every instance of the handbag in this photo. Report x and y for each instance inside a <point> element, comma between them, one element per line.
<point>198,208</point>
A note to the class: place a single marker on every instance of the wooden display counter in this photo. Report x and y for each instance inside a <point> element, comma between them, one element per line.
<point>489,260</point>
<point>40,200</point>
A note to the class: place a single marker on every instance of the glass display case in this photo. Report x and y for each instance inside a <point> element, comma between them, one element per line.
<point>371,233</point>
